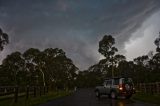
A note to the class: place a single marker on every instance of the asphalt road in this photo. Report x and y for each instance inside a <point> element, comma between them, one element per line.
<point>86,97</point>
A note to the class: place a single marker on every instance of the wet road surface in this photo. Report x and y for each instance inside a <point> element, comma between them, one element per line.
<point>86,97</point>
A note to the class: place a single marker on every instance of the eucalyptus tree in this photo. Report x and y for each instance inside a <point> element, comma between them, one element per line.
<point>69,71</point>
<point>51,67</point>
<point>142,68</point>
<point>5,76</point>
<point>157,43</point>
<point>4,40</point>
<point>156,58</point>
<point>34,64</point>
<point>156,62</point>
<point>119,61</point>
<point>65,70</point>
<point>107,49</point>
<point>118,58</point>
<point>14,65</point>
<point>60,70</point>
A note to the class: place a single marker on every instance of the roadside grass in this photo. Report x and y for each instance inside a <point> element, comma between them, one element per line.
<point>34,101</point>
<point>11,96</point>
<point>148,98</point>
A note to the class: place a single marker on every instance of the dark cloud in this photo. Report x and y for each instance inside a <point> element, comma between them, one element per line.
<point>73,25</point>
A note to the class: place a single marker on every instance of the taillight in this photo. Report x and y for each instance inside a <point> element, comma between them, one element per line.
<point>121,87</point>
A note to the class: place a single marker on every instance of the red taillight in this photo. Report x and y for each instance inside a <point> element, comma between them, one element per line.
<point>121,87</point>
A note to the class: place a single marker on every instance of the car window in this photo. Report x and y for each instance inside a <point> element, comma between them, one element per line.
<point>109,82</point>
<point>116,81</point>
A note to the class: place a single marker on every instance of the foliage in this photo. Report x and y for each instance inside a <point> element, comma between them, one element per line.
<point>106,47</point>
<point>34,67</point>
<point>157,43</point>
<point>14,65</point>
<point>4,40</point>
<point>111,60</point>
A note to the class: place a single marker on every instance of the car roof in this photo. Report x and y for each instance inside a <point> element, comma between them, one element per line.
<point>116,78</point>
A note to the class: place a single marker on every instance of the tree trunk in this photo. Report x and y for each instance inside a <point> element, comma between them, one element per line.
<point>112,68</point>
<point>44,84</point>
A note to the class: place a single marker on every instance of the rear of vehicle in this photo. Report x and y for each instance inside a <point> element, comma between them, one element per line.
<point>115,87</point>
<point>126,87</point>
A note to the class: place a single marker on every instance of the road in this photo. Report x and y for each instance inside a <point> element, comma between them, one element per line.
<point>86,97</point>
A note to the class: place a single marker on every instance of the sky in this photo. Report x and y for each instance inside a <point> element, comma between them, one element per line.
<point>77,26</point>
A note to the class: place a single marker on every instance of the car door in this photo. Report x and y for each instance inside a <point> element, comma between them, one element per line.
<point>103,89</point>
<point>108,86</point>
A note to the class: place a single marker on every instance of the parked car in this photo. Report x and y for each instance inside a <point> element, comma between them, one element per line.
<point>114,87</point>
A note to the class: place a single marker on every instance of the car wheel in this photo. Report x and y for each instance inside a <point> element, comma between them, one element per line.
<point>113,95</point>
<point>97,94</point>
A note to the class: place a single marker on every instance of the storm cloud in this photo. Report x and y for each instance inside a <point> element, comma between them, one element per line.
<point>76,26</point>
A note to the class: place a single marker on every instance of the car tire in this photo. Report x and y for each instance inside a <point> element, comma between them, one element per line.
<point>113,95</point>
<point>97,94</point>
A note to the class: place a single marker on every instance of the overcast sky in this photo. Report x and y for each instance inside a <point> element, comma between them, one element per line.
<point>76,26</point>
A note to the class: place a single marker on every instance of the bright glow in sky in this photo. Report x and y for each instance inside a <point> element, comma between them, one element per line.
<point>138,46</point>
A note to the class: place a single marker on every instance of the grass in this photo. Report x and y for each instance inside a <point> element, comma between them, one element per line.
<point>34,101</point>
<point>155,99</point>
<point>10,96</point>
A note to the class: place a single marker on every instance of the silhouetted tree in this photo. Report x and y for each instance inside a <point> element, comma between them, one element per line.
<point>35,64</point>
<point>107,49</point>
<point>14,65</point>
<point>3,39</point>
<point>157,43</point>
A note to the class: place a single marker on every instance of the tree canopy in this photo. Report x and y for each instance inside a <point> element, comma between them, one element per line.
<point>50,67</point>
<point>4,40</point>
<point>106,47</point>
<point>157,43</point>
